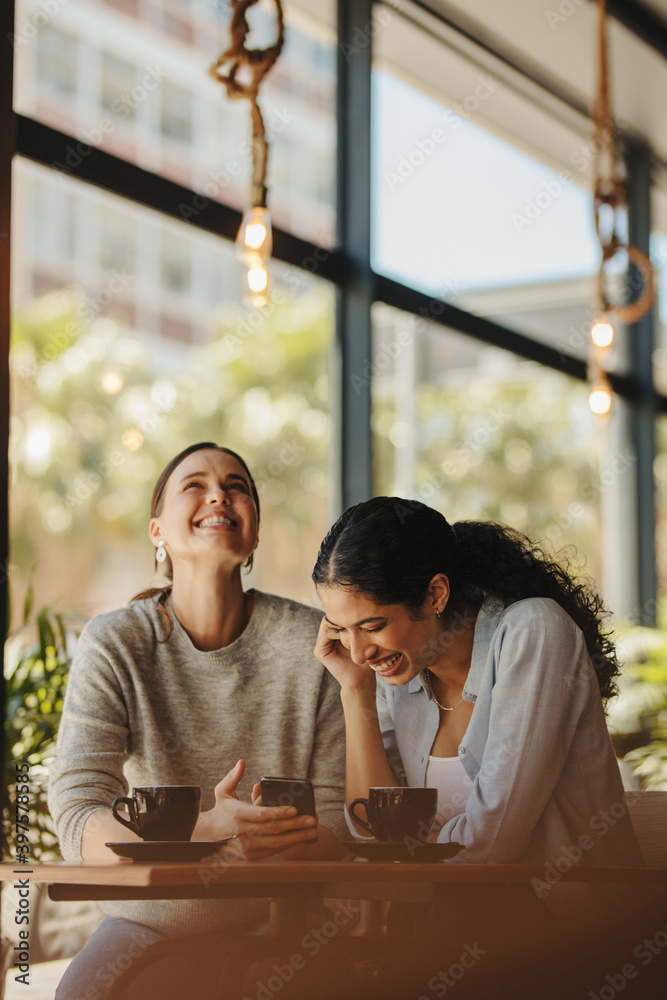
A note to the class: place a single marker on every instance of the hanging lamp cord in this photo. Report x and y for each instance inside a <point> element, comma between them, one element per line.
<point>609,191</point>
<point>241,71</point>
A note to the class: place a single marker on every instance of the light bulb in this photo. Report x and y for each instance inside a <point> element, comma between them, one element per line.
<point>256,283</point>
<point>258,279</point>
<point>254,236</point>
<point>600,397</point>
<point>602,332</point>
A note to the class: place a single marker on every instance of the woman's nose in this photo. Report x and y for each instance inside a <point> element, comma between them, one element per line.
<point>361,649</point>
<point>216,495</point>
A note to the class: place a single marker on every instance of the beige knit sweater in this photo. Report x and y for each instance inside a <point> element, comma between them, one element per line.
<point>142,712</point>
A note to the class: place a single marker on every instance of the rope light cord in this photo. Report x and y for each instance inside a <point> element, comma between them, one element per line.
<point>611,193</point>
<point>241,71</point>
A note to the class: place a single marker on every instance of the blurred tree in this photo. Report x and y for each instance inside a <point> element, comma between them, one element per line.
<point>506,447</point>
<point>98,413</point>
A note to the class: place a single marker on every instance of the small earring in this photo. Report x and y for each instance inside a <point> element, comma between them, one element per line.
<point>438,614</point>
<point>161,553</point>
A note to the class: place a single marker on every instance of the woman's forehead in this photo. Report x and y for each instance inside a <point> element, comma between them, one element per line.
<point>346,602</point>
<point>208,461</point>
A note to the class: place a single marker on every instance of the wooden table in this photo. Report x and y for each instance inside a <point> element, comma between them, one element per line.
<point>288,885</point>
<point>221,877</point>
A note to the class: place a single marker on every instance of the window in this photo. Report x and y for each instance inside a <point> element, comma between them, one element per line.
<point>176,114</point>
<point>118,78</point>
<point>101,401</point>
<point>176,269</point>
<point>146,65</point>
<point>465,214</point>
<point>56,62</point>
<point>481,434</point>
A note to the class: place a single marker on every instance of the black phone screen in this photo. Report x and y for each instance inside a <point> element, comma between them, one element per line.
<point>289,792</point>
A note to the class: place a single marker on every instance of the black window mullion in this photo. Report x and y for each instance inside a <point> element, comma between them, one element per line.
<point>352,352</point>
<point>62,152</point>
<point>646,405</point>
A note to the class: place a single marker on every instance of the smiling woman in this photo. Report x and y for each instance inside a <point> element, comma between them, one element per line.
<point>489,665</point>
<point>211,507</point>
<point>190,680</point>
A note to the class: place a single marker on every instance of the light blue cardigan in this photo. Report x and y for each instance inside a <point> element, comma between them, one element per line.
<point>546,783</point>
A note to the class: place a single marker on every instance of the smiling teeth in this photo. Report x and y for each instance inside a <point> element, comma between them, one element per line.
<point>215,520</point>
<point>386,664</point>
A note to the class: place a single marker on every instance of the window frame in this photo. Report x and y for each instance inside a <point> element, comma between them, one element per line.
<point>348,267</point>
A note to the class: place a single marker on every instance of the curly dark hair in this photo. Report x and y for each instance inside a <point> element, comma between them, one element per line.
<point>390,549</point>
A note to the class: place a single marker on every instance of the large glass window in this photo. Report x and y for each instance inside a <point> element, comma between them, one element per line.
<point>465,212</point>
<point>481,434</point>
<point>132,78</point>
<point>126,350</point>
<point>659,261</point>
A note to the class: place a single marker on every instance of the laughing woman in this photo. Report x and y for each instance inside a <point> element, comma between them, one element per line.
<point>471,663</point>
<point>186,681</point>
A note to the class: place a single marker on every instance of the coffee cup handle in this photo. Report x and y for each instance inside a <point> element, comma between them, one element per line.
<point>132,824</point>
<point>357,819</point>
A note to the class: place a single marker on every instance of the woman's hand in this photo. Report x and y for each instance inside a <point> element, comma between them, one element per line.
<point>258,831</point>
<point>331,652</point>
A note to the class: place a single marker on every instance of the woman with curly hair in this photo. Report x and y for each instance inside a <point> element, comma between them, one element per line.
<point>471,662</point>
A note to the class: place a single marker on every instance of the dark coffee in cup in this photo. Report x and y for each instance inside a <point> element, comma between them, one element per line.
<point>161,812</point>
<point>395,814</point>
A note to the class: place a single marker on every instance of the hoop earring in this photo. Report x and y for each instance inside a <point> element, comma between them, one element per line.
<point>161,552</point>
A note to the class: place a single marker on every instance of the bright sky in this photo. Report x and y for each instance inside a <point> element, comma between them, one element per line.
<point>449,221</point>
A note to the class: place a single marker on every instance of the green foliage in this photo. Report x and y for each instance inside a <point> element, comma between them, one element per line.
<point>641,709</point>
<point>97,413</point>
<point>38,658</point>
<point>514,444</point>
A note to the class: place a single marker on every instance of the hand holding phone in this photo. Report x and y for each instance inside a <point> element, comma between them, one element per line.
<point>297,792</point>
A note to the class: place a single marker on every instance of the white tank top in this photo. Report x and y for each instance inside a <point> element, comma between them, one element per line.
<point>448,775</point>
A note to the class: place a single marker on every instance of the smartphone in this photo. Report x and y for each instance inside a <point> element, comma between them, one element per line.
<point>289,792</point>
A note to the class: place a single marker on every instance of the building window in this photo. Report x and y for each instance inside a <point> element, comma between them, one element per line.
<point>176,114</point>
<point>176,270</point>
<point>118,78</point>
<point>56,60</point>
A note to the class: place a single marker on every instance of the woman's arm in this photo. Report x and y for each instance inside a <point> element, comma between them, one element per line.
<point>93,746</point>
<point>534,714</point>
<point>87,774</point>
<point>366,762</point>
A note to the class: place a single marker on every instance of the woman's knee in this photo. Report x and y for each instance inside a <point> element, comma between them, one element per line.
<point>113,951</point>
